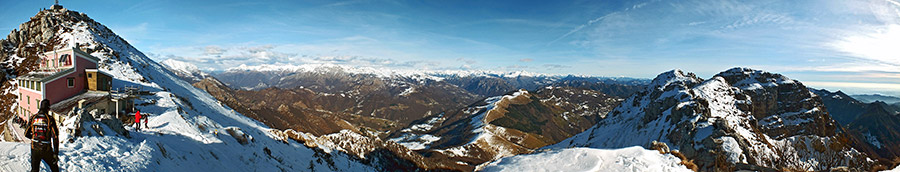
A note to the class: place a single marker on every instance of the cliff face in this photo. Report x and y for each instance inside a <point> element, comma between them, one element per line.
<point>739,119</point>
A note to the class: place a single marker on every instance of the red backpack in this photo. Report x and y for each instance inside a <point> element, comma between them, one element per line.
<point>40,128</point>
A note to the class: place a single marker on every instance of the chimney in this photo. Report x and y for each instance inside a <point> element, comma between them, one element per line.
<point>56,5</point>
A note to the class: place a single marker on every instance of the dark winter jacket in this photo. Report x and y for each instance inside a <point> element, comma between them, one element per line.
<point>54,130</point>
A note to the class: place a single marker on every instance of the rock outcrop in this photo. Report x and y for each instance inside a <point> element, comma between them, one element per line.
<point>741,119</point>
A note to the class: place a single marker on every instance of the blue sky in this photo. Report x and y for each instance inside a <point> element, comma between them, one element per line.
<point>839,45</point>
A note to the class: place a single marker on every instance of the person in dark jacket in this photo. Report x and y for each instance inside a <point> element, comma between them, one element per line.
<point>44,135</point>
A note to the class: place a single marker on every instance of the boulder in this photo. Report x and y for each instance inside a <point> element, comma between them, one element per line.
<point>239,135</point>
<point>114,124</point>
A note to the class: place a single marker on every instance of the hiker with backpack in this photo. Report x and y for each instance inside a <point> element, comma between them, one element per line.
<point>44,135</point>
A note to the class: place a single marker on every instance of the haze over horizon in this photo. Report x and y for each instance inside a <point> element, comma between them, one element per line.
<point>847,46</point>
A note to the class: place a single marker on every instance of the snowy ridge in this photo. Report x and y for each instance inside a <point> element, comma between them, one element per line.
<point>654,130</point>
<point>486,136</point>
<point>632,158</point>
<point>749,79</point>
<point>180,66</point>
<point>729,114</point>
<point>187,126</point>
<point>185,70</point>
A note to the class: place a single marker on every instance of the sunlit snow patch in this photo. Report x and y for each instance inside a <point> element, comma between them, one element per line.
<point>589,159</point>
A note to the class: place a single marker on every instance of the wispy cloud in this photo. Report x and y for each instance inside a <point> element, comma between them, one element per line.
<point>595,20</point>
<point>517,67</point>
<point>556,66</point>
<point>343,3</point>
<point>466,61</point>
<point>881,45</point>
<point>512,21</point>
<point>760,18</point>
<point>213,50</point>
<point>214,57</point>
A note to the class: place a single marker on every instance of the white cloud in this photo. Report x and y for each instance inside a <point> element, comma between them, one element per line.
<point>880,45</point>
<point>556,66</point>
<point>221,58</point>
<point>213,50</point>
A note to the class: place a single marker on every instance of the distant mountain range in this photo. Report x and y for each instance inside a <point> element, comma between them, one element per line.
<point>426,113</point>
<point>869,98</point>
<point>873,126</point>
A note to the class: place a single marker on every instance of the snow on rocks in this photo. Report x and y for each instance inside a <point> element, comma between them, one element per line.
<point>632,158</point>
<point>751,117</point>
<point>733,150</point>
<point>413,140</point>
<point>416,141</point>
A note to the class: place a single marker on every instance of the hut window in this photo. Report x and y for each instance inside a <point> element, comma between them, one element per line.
<point>65,59</point>
<point>70,82</point>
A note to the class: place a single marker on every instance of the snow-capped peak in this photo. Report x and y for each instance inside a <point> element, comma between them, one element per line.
<point>675,76</point>
<point>176,65</point>
<point>728,115</point>
<point>747,78</point>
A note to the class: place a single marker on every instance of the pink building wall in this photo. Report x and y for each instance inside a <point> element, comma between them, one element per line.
<point>26,96</point>
<point>83,63</point>
<point>56,90</point>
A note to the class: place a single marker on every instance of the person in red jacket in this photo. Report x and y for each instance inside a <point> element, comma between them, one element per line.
<point>137,120</point>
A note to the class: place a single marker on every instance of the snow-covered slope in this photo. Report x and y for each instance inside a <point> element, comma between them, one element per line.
<point>739,119</point>
<point>490,139</point>
<point>187,127</point>
<point>896,169</point>
<point>188,72</point>
<point>588,159</point>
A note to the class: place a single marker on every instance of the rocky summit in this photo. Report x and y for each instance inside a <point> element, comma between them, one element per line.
<point>740,119</point>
